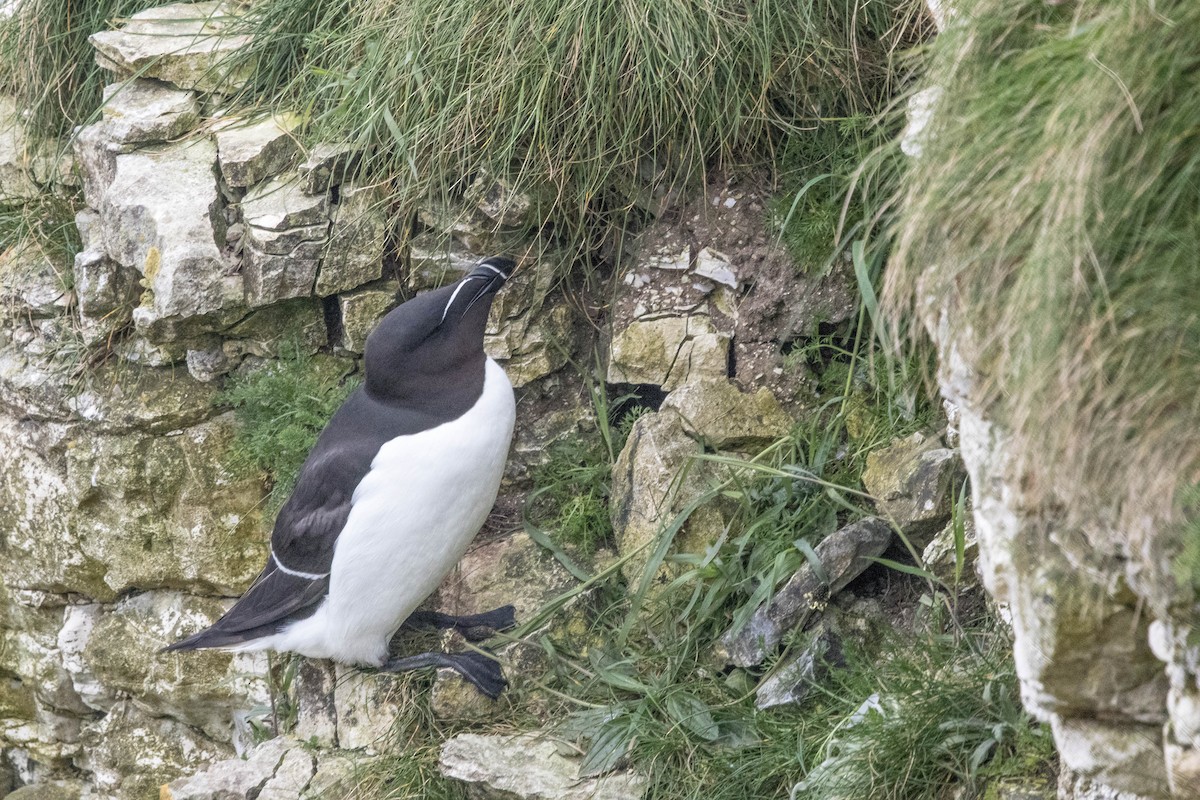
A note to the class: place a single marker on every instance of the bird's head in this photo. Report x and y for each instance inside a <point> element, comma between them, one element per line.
<point>436,338</point>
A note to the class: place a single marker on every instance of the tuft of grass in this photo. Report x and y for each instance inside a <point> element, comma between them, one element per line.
<point>1054,215</point>
<point>47,64</point>
<point>282,408</point>
<point>580,104</point>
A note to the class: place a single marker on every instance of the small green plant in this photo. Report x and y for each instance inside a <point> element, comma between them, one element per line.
<point>281,408</point>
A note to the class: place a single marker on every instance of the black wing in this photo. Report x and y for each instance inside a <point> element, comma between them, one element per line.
<point>296,577</point>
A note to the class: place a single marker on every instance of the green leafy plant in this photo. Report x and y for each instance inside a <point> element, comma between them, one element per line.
<point>281,408</point>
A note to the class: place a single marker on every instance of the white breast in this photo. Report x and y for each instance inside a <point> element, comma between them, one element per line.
<point>411,519</point>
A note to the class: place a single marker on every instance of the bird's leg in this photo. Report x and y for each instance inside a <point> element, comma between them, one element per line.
<point>498,619</point>
<point>483,672</point>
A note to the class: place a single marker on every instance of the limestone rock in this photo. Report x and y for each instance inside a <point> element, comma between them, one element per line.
<point>531,330</point>
<point>454,699</point>
<point>186,44</point>
<point>647,493</point>
<point>280,204</point>
<point>940,555</point>
<point>32,281</point>
<point>792,680</point>
<point>121,655</point>
<point>1123,757</point>
<point>529,767</point>
<point>513,570</point>
<point>131,754</point>
<point>723,417</point>
<point>497,200</point>
<point>715,267</point>
<point>361,312</point>
<point>914,482</point>
<point>105,292</point>
<point>291,777</point>
<point>367,708</point>
<point>96,154</point>
<point>843,555</point>
<point>437,260</point>
<point>335,773</point>
<point>357,237</point>
<point>232,779</point>
<point>167,230</point>
<point>270,278</point>
<point>252,151</point>
<point>1019,789</point>
<point>265,332</point>
<point>316,707</point>
<point>163,511</point>
<point>668,352</point>
<point>143,110</point>
<point>327,165</point>
<point>461,223</point>
<point>51,790</point>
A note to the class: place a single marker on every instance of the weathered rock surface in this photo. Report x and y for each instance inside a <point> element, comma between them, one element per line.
<point>361,311</point>
<point>356,240</point>
<point>668,352</point>
<point>251,151</point>
<point>793,680</point>
<point>843,555</point>
<point>234,779</point>
<point>185,44</point>
<point>914,482</point>
<point>655,479</point>
<point>531,768</point>
<point>143,110</point>
<point>165,230</point>
<point>723,417</point>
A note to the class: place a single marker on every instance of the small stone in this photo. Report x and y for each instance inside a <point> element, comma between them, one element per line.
<point>435,261</point>
<point>271,278</point>
<point>792,681</point>
<point>250,152</point>
<point>453,698</point>
<point>232,779</point>
<point>207,365</point>
<point>51,790</point>
<point>143,110</point>
<point>529,767</point>
<point>186,44</point>
<point>1122,755</point>
<point>716,267</point>
<point>941,555</point>
<point>843,556</point>
<point>724,418</point>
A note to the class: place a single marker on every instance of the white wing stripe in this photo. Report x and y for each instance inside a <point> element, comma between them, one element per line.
<point>295,573</point>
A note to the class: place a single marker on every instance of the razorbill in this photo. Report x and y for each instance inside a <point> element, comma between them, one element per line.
<point>397,485</point>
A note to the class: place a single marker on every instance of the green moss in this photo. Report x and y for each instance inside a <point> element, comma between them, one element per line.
<point>281,409</point>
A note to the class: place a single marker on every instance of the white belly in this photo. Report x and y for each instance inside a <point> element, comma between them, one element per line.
<point>411,519</point>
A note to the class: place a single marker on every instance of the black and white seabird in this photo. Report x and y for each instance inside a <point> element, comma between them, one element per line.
<point>397,485</point>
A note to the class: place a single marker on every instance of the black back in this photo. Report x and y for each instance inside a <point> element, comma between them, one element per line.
<point>424,367</point>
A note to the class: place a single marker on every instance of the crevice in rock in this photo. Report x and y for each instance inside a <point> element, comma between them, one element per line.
<point>331,310</point>
<point>626,398</point>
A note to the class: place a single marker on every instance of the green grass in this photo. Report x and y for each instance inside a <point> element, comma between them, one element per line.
<point>582,103</point>
<point>281,409</point>
<point>47,63</point>
<point>1055,214</point>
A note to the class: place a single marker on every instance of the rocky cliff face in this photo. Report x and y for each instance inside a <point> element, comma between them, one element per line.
<point>208,242</point>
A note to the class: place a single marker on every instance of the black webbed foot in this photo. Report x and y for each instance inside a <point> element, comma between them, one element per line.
<point>474,627</point>
<point>483,672</point>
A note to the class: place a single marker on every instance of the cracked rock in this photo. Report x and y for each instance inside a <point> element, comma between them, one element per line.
<point>251,152</point>
<point>669,352</point>
<point>843,555</point>
<point>144,110</point>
